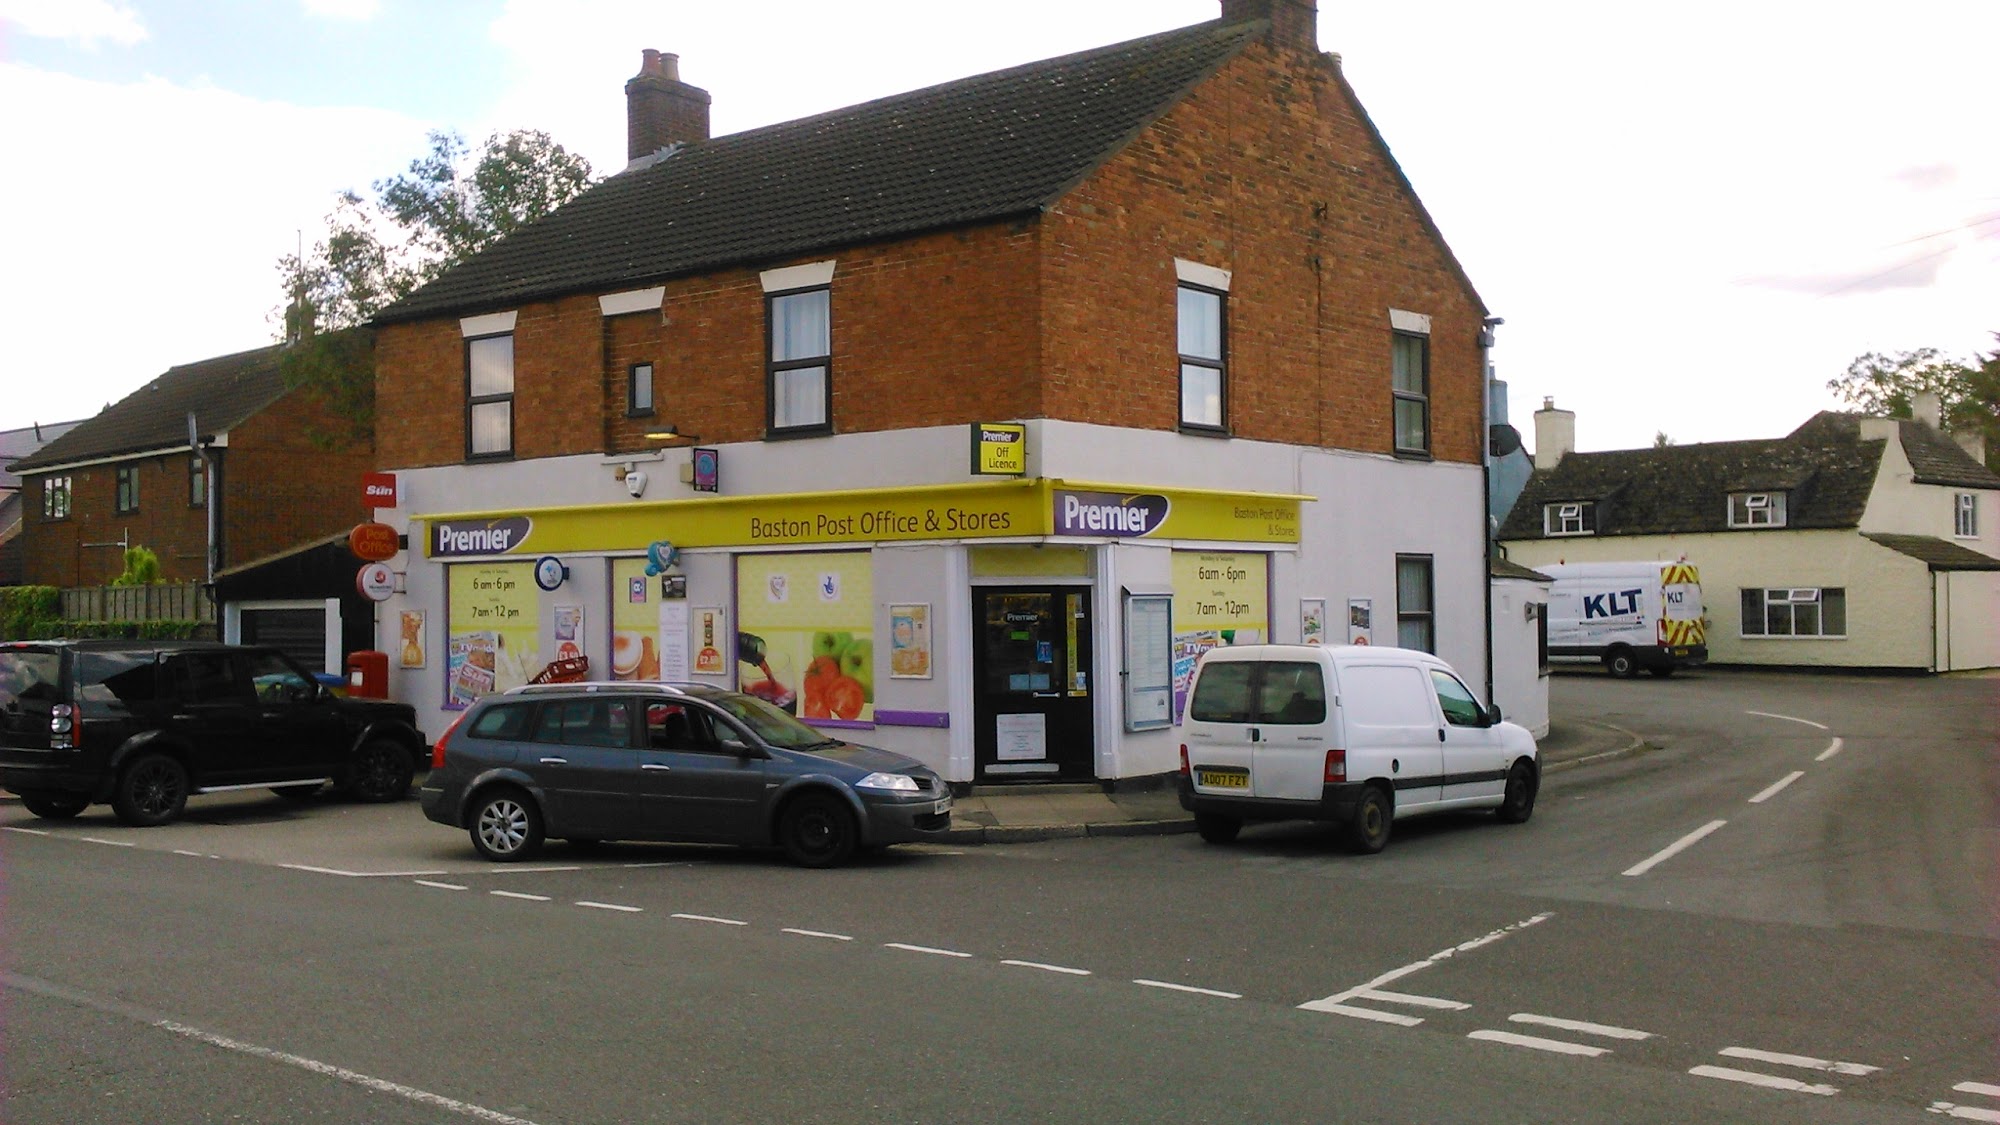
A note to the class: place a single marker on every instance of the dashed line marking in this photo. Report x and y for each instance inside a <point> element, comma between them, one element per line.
<point>353,874</point>
<point>612,906</point>
<point>112,843</point>
<point>662,863</point>
<point>184,851</point>
<point>1787,718</point>
<point>534,870</point>
<point>1772,789</point>
<point>1803,1062</point>
<point>438,885</point>
<point>1832,748</point>
<point>519,895</point>
<point>1603,1029</point>
<point>818,934</point>
<point>24,831</point>
<point>1536,1042</point>
<point>1674,849</point>
<point>925,949</point>
<point>1337,1003</point>
<point>1964,1112</point>
<point>1768,1081</point>
<point>1977,1088</point>
<point>1190,988</point>
<point>1415,1001</point>
<point>710,918</point>
<point>1375,1014</point>
<point>1049,968</point>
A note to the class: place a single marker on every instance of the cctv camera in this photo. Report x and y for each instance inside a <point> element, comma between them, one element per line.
<point>635,482</point>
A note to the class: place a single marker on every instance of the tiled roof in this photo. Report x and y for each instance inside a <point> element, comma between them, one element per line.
<point>222,392</point>
<point>1940,554</point>
<point>1497,567</point>
<point>18,444</point>
<point>1935,457</point>
<point>978,149</point>
<point>1825,468</point>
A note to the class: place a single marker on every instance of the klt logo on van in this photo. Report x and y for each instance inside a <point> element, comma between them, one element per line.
<point>1595,605</point>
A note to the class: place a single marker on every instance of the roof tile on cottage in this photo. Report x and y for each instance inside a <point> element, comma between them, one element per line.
<point>221,392</point>
<point>1941,555</point>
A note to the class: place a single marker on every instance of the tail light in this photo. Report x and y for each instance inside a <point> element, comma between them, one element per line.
<point>1660,630</point>
<point>1336,766</point>
<point>63,731</point>
<point>1184,761</point>
<point>437,751</point>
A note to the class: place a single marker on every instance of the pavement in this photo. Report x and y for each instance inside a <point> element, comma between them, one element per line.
<point>1150,806</point>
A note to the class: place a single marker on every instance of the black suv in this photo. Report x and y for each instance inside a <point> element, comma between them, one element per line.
<point>143,724</point>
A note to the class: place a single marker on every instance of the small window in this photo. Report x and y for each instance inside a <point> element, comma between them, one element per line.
<point>209,677</point>
<point>1756,509</point>
<point>55,498</point>
<point>489,396</point>
<point>586,722</point>
<point>1292,693</point>
<point>1222,693</point>
<point>1965,520</point>
<point>1204,385</point>
<point>1415,617</point>
<point>799,368</point>
<point>1795,611</point>
<point>116,677</point>
<point>1570,519</point>
<point>276,681</point>
<point>197,482</point>
<point>639,390</point>
<point>502,721</point>
<point>1460,708</point>
<point>128,488</point>
<point>1411,361</point>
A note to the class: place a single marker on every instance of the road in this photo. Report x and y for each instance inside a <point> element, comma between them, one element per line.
<point>1781,910</point>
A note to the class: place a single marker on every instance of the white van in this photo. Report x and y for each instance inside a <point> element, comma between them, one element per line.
<point>1627,616</point>
<point>1354,734</point>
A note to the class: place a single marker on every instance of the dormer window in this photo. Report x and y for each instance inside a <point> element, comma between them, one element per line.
<point>1574,518</point>
<point>1756,509</point>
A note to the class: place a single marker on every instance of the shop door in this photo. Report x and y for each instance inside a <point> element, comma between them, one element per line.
<point>1032,690</point>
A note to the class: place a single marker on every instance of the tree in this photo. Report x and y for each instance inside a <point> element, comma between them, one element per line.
<point>1661,440</point>
<point>142,568</point>
<point>1968,391</point>
<point>444,209</point>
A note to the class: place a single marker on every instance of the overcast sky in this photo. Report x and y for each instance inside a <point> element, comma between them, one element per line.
<point>1691,216</point>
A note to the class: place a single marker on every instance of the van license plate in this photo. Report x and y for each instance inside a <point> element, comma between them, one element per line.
<point>1218,780</point>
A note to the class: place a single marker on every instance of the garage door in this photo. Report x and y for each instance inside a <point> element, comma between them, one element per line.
<point>298,633</point>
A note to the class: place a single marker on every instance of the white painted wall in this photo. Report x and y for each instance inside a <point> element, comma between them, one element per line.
<point>1969,619</point>
<point>1520,687</point>
<point>1898,505</point>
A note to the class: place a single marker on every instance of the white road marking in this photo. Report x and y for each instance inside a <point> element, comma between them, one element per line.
<point>379,1085</point>
<point>925,949</point>
<point>1787,718</point>
<point>183,851</point>
<point>1674,849</point>
<point>1417,1001</point>
<point>354,874</point>
<point>1337,1003</point>
<point>1965,1112</point>
<point>1049,968</point>
<point>1977,1088</point>
<point>1804,1062</point>
<point>1606,1030</point>
<point>1772,790</point>
<point>818,934</point>
<point>519,895</point>
<point>1190,988</point>
<point>113,843</point>
<point>1538,1043</point>
<point>613,906</point>
<point>510,870</point>
<point>664,863</point>
<point>24,831</point>
<point>711,918</point>
<point>1768,1081</point>
<point>1832,748</point>
<point>438,885</point>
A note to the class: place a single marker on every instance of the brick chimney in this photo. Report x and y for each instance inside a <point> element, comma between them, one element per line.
<point>660,109</point>
<point>1555,434</point>
<point>1294,23</point>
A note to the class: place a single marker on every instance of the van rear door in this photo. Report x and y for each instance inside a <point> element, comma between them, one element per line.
<point>1217,727</point>
<point>1389,716</point>
<point>1288,749</point>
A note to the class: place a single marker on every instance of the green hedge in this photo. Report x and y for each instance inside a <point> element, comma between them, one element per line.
<point>25,610</point>
<point>121,630</point>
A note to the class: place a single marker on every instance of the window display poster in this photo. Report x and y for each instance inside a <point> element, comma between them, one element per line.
<point>569,632</point>
<point>1021,738</point>
<point>495,631</point>
<point>1312,621</point>
<point>1220,598</point>
<point>635,622</point>
<point>711,641</point>
<point>1360,621</point>
<point>413,639</point>
<point>910,642</point>
<point>673,640</point>
<point>804,625</point>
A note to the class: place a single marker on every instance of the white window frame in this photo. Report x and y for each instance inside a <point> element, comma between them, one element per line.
<point>1574,517</point>
<point>1792,597</point>
<point>1965,516</point>
<point>1757,509</point>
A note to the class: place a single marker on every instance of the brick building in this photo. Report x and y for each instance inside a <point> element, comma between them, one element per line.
<point>257,485</point>
<point>1244,370</point>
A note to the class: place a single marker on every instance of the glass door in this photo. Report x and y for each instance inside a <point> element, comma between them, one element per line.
<point>1031,670</point>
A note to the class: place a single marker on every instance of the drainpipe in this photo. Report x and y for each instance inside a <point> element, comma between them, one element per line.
<point>1486,328</point>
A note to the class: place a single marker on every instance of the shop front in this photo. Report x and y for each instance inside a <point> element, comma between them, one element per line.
<point>1022,630</point>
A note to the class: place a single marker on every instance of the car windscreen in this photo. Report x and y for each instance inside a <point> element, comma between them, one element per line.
<point>769,723</point>
<point>30,676</point>
<point>116,677</point>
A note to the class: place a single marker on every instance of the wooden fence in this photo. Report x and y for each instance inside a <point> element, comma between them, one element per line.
<point>183,602</point>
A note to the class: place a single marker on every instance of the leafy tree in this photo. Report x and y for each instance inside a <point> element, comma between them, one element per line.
<point>1661,440</point>
<point>446,207</point>
<point>142,568</point>
<point>1968,390</point>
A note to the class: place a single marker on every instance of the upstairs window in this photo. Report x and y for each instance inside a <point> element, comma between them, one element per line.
<point>1410,360</point>
<point>128,488</point>
<point>799,371</point>
<point>489,396</point>
<point>1965,516</point>
<point>55,498</point>
<point>1756,509</point>
<point>1579,518</point>
<point>1204,385</point>
<point>1795,611</point>
<point>197,482</point>
<point>639,390</point>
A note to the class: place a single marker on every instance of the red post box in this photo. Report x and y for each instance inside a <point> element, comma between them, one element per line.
<point>368,674</point>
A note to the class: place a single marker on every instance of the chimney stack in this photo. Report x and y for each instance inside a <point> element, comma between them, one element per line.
<point>660,109</point>
<point>1294,23</point>
<point>1973,442</point>
<point>1926,407</point>
<point>1555,434</point>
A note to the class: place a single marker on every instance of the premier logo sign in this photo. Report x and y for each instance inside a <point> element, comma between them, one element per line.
<point>1109,514</point>
<point>493,537</point>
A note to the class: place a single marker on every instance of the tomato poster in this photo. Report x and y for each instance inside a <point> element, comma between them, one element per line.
<point>804,624</point>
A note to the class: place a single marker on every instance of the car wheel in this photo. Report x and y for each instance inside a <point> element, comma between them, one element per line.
<point>1621,664</point>
<point>506,826</point>
<point>1518,804</point>
<point>152,791</point>
<point>817,831</point>
<point>297,794</point>
<point>1217,829</point>
<point>1368,832</point>
<point>54,806</point>
<point>382,771</point>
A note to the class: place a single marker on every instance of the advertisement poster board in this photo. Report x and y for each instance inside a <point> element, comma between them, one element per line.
<point>1360,621</point>
<point>910,642</point>
<point>673,640</point>
<point>635,622</point>
<point>804,632</point>
<point>711,646</point>
<point>413,644</point>
<point>495,632</point>
<point>1220,598</point>
<point>1312,621</point>
<point>569,632</point>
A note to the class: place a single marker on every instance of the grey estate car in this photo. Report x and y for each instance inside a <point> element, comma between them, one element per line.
<point>689,762</point>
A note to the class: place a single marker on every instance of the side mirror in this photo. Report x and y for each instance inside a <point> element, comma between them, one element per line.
<point>1492,714</point>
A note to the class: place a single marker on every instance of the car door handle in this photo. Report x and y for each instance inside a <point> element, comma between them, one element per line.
<point>555,761</point>
<point>1440,734</point>
<point>655,766</point>
<point>1048,695</point>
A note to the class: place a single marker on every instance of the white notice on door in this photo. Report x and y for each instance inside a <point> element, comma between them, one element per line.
<point>1021,738</point>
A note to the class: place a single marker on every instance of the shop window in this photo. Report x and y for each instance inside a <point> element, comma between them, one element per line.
<point>1795,611</point>
<point>639,390</point>
<point>55,498</point>
<point>1570,519</point>
<point>799,370</point>
<point>1416,625</point>
<point>489,396</point>
<point>1204,382</point>
<point>1410,358</point>
<point>128,488</point>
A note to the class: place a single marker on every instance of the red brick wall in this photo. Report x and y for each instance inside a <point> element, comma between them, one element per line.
<point>1265,170</point>
<point>279,489</point>
<point>54,552</point>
